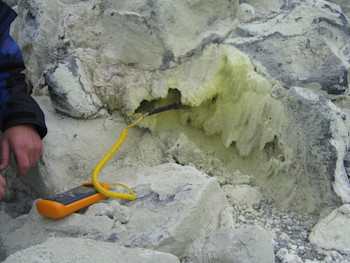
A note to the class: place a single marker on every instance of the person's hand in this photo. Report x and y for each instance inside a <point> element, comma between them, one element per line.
<point>25,143</point>
<point>2,186</point>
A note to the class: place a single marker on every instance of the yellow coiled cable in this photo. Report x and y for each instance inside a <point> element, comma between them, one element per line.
<point>104,160</point>
<point>112,151</point>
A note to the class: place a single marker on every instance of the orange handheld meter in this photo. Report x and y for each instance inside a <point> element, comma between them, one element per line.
<point>70,201</point>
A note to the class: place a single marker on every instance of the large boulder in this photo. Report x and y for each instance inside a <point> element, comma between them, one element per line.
<point>143,33</point>
<point>314,35</point>
<point>176,207</point>
<point>315,140</point>
<point>332,231</point>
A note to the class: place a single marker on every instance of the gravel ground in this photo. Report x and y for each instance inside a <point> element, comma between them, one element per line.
<point>289,230</point>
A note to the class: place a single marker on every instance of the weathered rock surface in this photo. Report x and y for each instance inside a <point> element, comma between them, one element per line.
<point>71,90</point>
<point>332,232</point>
<point>320,156</point>
<point>64,250</point>
<point>245,13</point>
<point>315,29</point>
<point>251,244</point>
<point>143,34</point>
<point>244,70</point>
<point>37,35</point>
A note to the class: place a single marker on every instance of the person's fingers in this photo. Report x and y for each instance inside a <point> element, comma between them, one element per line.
<point>24,162</point>
<point>2,186</point>
<point>5,153</point>
<point>25,143</point>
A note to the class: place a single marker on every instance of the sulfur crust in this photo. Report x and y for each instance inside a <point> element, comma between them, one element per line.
<point>230,100</point>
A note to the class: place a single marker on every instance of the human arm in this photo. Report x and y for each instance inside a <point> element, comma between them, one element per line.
<point>23,125</point>
<point>21,119</point>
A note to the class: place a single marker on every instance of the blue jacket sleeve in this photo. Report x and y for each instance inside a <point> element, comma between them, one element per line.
<point>16,105</point>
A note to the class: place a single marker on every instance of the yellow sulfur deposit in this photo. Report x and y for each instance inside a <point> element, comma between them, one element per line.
<point>227,97</point>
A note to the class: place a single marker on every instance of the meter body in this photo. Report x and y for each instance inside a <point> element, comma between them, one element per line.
<point>70,201</point>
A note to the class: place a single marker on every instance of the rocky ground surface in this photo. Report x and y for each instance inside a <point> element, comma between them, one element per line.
<point>290,231</point>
